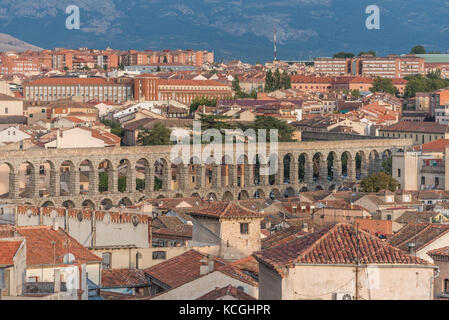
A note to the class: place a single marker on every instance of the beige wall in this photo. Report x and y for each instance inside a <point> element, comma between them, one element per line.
<point>11,108</point>
<point>199,287</point>
<point>319,282</point>
<point>244,244</point>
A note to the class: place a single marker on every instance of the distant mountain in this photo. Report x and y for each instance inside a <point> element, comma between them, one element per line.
<point>9,43</point>
<point>237,29</point>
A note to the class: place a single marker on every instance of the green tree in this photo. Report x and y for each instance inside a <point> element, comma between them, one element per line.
<point>387,165</point>
<point>418,50</point>
<point>157,184</point>
<point>158,69</point>
<point>66,68</point>
<point>286,81</point>
<point>203,101</point>
<point>277,80</point>
<point>355,93</point>
<point>343,54</point>
<point>159,135</point>
<point>371,52</point>
<point>285,131</point>
<point>165,59</point>
<point>383,85</point>
<point>420,83</point>
<point>116,128</point>
<point>140,184</point>
<point>269,82</point>
<point>379,181</point>
<point>236,84</point>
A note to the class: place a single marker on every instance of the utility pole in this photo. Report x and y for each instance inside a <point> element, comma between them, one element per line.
<point>275,48</point>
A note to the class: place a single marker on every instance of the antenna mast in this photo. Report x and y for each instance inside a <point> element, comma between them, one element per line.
<point>275,42</point>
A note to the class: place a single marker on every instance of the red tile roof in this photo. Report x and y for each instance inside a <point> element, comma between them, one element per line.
<point>225,210</point>
<point>420,233</point>
<point>335,245</point>
<point>442,252</point>
<point>123,278</point>
<point>282,237</point>
<point>8,249</point>
<point>433,146</point>
<point>219,293</point>
<point>73,81</point>
<point>40,249</point>
<point>410,126</point>
<point>180,269</point>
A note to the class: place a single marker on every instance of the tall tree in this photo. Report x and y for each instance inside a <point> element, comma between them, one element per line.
<point>159,135</point>
<point>269,81</point>
<point>236,84</point>
<point>286,80</point>
<point>379,181</point>
<point>418,50</point>
<point>383,85</point>
<point>277,80</point>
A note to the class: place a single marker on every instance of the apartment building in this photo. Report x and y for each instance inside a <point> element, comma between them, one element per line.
<point>148,87</point>
<point>333,66</point>
<point>81,89</point>
<point>16,64</point>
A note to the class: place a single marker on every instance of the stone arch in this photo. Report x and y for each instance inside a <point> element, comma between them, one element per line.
<point>347,166</point>
<point>374,162</point>
<point>28,180</point>
<point>106,204</point>
<point>106,176</point>
<point>179,195</point>
<point>361,165</point>
<point>304,189</point>
<point>69,204</point>
<point>49,204</point>
<point>275,194</point>
<point>319,188</point>
<point>69,178</point>
<point>259,161</point>
<point>273,167</point>
<point>289,193</point>
<point>162,177</point>
<point>304,168</point>
<point>333,166</point>
<point>211,197</point>
<point>243,171</point>
<point>125,201</point>
<point>243,195</point>
<point>228,196</point>
<point>227,171</point>
<point>195,195</point>
<point>88,204</point>
<point>143,175</point>
<point>9,174</point>
<point>259,194</point>
<point>46,179</point>
<point>126,180</point>
<point>332,187</point>
<point>319,167</point>
<point>288,168</point>
<point>87,177</point>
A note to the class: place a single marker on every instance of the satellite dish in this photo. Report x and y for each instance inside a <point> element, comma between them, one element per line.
<point>68,258</point>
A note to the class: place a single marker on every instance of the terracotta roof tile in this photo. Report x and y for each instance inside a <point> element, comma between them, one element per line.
<point>8,249</point>
<point>223,210</point>
<point>123,278</point>
<point>219,293</point>
<point>334,245</point>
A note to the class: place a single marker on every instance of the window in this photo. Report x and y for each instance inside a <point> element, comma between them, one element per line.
<point>399,172</point>
<point>437,181</point>
<point>423,180</point>
<point>244,228</point>
<point>6,110</point>
<point>388,216</point>
<point>159,255</point>
<point>106,262</point>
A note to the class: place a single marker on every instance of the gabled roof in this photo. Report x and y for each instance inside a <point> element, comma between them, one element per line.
<point>224,210</point>
<point>219,293</point>
<point>123,278</point>
<point>40,250</point>
<point>283,236</point>
<point>8,250</point>
<point>421,234</point>
<point>335,245</point>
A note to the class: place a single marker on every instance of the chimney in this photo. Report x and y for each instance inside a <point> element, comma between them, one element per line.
<point>206,265</point>
<point>57,281</point>
<point>411,248</point>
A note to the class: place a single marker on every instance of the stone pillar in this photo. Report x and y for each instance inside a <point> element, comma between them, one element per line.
<point>200,176</point>
<point>93,181</point>
<point>113,181</point>
<point>166,177</point>
<point>149,180</point>
<point>13,184</point>
<point>279,177</point>
<point>130,179</point>
<point>364,170</point>
<point>55,183</point>
<point>264,175</point>
<point>34,183</point>
<point>323,171</point>
<point>216,176</point>
<point>351,170</point>
<point>294,172</point>
<point>233,169</point>
<point>183,178</point>
<point>308,172</point>
<point>249,175</point>
<point>75,182</point>
<point>336,169</point>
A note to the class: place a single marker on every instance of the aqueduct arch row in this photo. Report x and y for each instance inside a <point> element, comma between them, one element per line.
<point>122,174</point>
